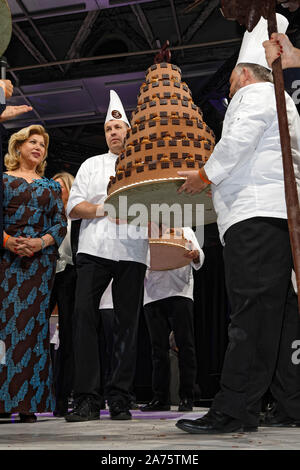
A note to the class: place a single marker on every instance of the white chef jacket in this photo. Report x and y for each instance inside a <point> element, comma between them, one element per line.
<point>174,282</point>
<point>97,236</point>
<point>246,165</point>
<point>65,251</point>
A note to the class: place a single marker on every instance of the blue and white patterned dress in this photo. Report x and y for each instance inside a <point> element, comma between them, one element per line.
<point>30,210</point>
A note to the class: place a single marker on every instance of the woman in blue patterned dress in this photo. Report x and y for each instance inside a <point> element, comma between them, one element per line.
<point>34,227</point>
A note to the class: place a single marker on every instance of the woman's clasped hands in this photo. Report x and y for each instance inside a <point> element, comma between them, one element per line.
<point>22,246</point>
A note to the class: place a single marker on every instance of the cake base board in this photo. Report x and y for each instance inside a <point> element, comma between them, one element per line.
<point>164,256</point>
<point>190,210</point>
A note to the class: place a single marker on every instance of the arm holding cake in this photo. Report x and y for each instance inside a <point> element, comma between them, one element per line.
<point>196,181</point>
<point>87,210</point>
<point>196,255</point>
<point>193,255</point>
<point>78,206</point>
<point>243,128</point>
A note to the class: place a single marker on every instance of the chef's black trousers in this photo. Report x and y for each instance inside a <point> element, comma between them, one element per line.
<point>264,324</point>
<point>162,316</point>
<point>106,346</point>
<point>93,276</point>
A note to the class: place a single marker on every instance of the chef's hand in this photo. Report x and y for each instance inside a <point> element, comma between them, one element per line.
<point>100,212</point>
<point>193,254</point>
<point>193,183</point>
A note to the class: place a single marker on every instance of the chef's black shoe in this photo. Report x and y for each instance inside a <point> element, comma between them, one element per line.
<point>214,422</point>
<point>185,405</point>
<point>155,405</point>
<point>85,410</point>
<point>273,419</point>
<point>119,411</point>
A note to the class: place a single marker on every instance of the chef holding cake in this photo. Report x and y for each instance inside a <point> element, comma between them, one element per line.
<point>169,306</point>
<point>105,251</point>
<point>246,173</point>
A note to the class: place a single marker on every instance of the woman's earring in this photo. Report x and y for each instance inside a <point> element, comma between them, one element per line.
<point>18,153</point>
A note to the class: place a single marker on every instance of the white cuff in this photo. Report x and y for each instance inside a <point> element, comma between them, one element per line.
<point>215,172</point>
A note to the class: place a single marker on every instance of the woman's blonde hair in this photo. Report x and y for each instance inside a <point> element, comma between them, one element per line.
<point>12,158</point>
<point>66,178</point>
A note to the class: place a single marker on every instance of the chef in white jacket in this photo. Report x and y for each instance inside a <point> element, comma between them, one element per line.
<point>105,251</point>
<point>246,173</point>
<point>168,305</point>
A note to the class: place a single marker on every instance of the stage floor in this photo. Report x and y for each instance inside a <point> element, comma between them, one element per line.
<point>146,431</point>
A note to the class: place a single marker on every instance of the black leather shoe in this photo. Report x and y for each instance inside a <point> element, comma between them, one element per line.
<point>5,415</point>
<point>85,410</point>
<point>278,421</point>
<point>27,418</point>
<point>119,411</point>
<point>155,405</point>
<point>214,422</point>
<point>133,405</point>
<point>185,405</point>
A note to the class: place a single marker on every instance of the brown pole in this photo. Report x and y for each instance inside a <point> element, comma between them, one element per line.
<point>291,194</point>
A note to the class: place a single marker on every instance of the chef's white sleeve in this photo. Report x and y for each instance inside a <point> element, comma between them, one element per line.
<point>189,234</point>
<point>79,190</point>
<point>249,121</point>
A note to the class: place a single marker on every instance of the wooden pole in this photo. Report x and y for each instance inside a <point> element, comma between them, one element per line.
<point>291,194</point>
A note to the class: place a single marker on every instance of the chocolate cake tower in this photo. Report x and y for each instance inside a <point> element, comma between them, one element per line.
<point>168,133</point>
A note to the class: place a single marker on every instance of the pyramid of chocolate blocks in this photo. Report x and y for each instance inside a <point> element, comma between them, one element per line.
<point>167,133</point>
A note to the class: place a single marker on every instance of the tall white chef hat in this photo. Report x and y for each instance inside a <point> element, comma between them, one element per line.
<point>115,109</point>
<point>252,50</point>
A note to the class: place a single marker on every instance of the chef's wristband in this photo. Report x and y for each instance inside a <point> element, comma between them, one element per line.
<point>203,179</point>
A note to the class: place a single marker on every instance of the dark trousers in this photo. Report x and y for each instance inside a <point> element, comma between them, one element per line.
<point>264,321</point>
<point>106,346</point>
<point>63,293</point>
<point>163,316</point>
<point>93,276</point>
